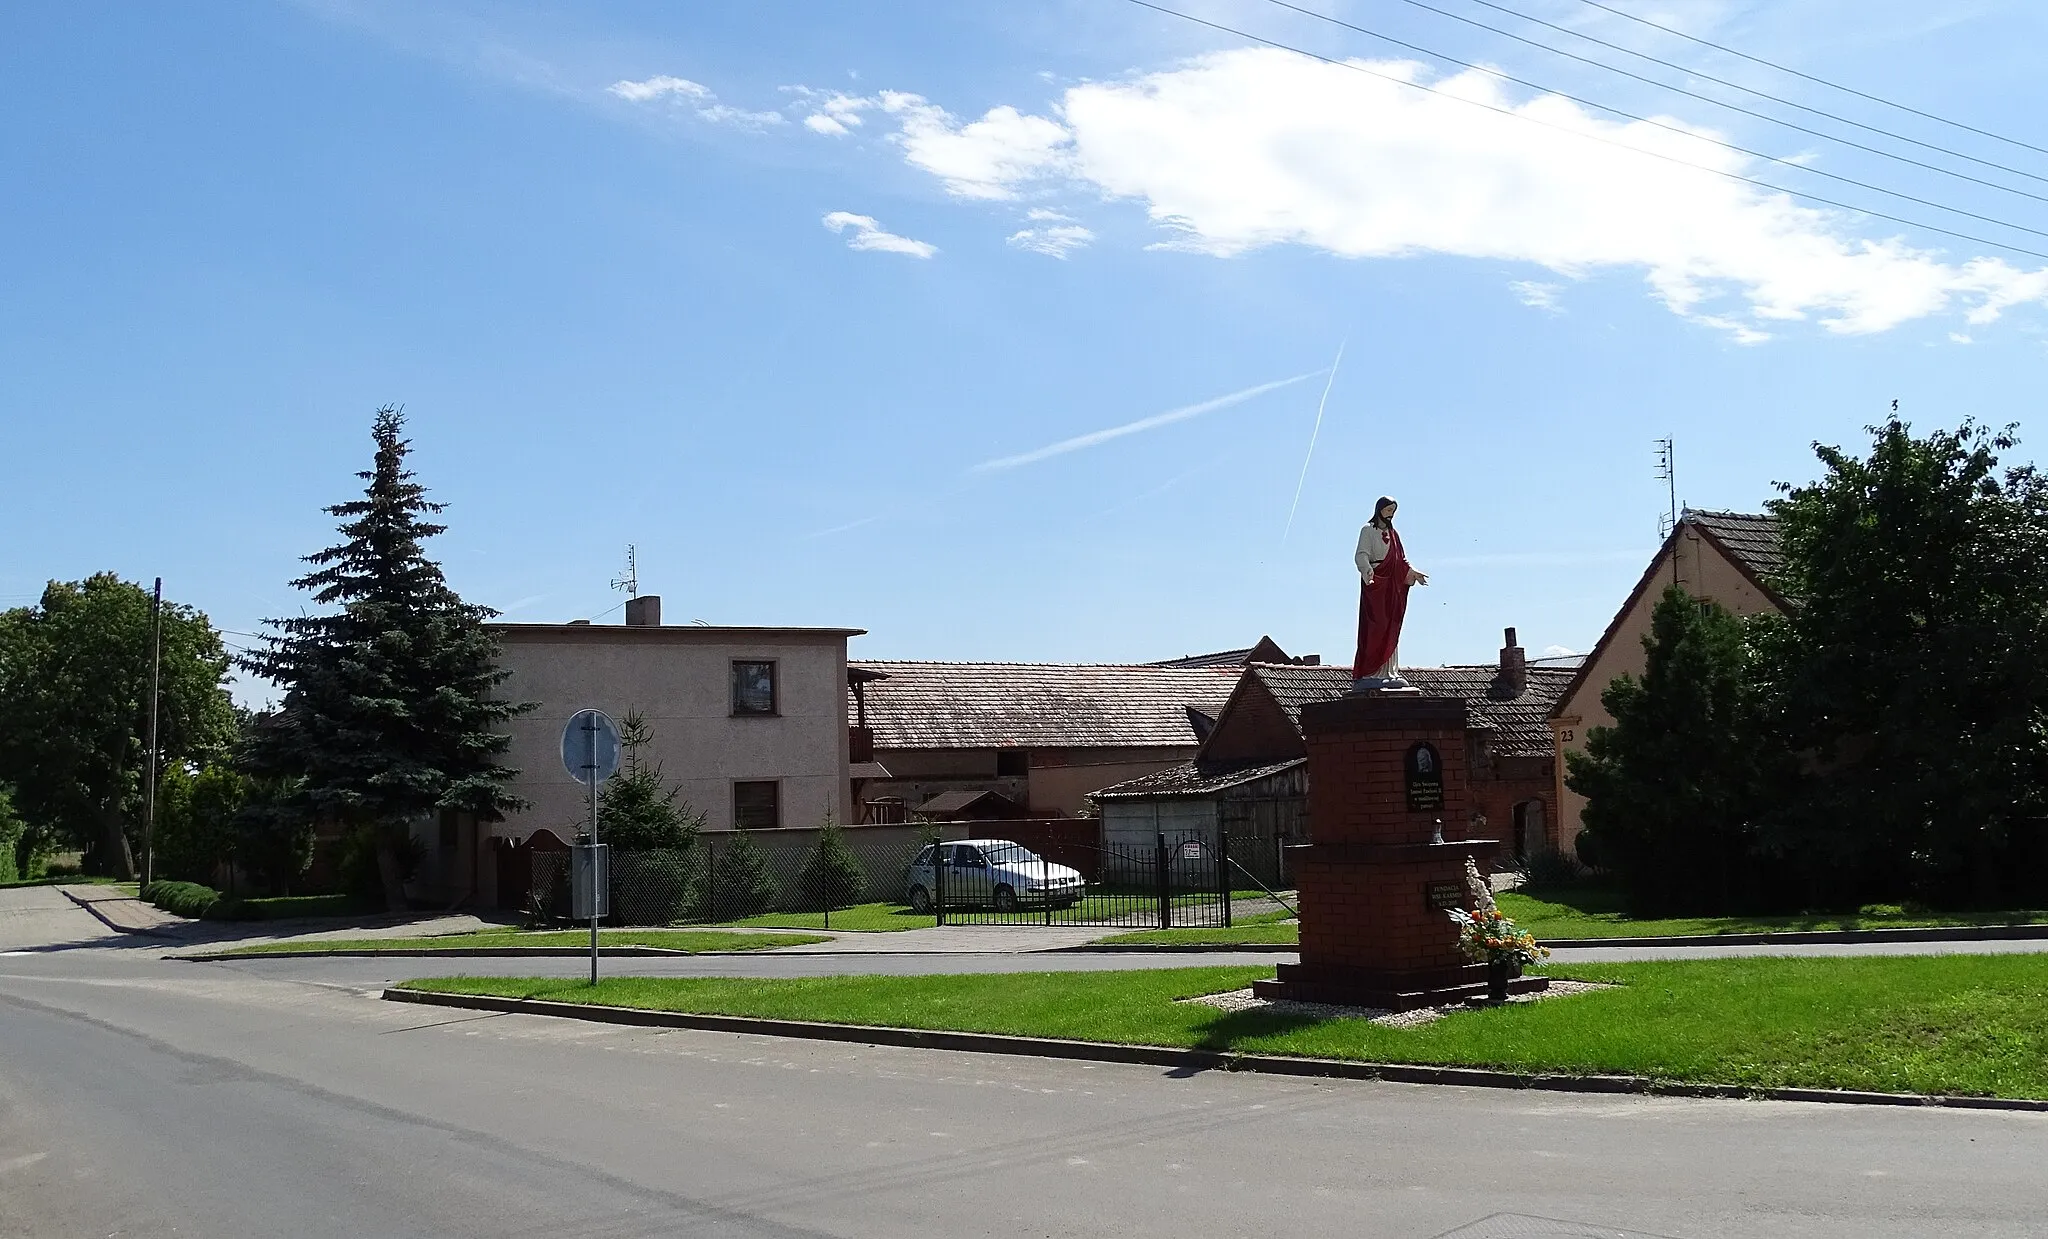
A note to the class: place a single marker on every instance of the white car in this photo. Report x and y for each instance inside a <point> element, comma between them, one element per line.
<point>992,872</point>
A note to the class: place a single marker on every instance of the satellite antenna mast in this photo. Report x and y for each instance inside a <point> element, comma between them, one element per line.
<point>631,581</point>
<point>1667,473</point>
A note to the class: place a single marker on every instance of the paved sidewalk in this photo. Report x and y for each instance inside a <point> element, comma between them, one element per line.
<point>952,940</point>
<point>40,916</point>
<point>122,912</point>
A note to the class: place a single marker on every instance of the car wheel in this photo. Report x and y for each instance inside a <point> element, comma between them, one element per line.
<point>1006,899</point>
<point>920,900</point>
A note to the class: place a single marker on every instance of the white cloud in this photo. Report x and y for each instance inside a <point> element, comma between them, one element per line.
<point>1958,337</point>
<point>987,158</point>
<point>868,235</point>
<point>1095,437</point>
<point>1040,214</point>
<point>681,91</point>
<point>657,87</point>
<point>1242,150</point>
<point>1558,651</point>
<point>834,113</point>
<point>1537,295</point>
<point>1056,240</point>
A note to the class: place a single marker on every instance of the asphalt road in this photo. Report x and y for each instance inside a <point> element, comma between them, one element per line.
<point>145,1097</point>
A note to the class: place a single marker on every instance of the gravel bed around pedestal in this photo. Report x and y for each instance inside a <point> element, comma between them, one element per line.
<point>1245,1000</point>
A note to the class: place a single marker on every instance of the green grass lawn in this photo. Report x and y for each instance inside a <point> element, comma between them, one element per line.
<point>859,917</point>
<point>67,880</point>
<point>1597,912</point>
<point>1954,1024</point>
<point>692,940</point>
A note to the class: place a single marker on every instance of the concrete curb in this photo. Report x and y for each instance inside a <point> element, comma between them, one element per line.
<point>1950,933</point>
<point>92,906</point>
<point>1945,933</point>
<point>473,952</point>
<point>1160,1056</point>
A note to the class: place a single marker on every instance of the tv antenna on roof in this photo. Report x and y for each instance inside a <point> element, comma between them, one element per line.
<point>1667,473</point>
<point>631,581</point>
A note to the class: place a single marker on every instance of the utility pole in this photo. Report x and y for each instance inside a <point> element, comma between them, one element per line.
<point>156,663</point>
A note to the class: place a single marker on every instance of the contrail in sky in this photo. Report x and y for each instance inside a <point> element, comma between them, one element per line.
<point>1303,480</point>
<point>1157,420</point>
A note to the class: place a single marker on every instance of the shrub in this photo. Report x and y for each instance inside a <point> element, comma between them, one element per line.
<point>357,860</point>
<point>1551,868</point>
<point>735,878</point>
<point>181,898</point>
<point>832,876</point>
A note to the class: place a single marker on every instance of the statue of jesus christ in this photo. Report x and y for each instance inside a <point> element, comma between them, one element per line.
<point>1385,578</point>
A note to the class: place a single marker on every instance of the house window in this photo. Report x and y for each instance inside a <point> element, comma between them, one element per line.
<point>757,805</point>
<point>1012,763</point>
<point>753,688</point>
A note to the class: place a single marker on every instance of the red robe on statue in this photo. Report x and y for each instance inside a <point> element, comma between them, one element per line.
<point>1382,605</point>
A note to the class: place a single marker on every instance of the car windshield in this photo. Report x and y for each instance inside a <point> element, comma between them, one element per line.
<point>1010,854</point>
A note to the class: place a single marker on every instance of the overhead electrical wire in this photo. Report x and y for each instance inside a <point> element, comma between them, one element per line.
<point>1719,81</point>
<point>1821,81</point>
<point>1594,137</point>
<point>1680,129</point>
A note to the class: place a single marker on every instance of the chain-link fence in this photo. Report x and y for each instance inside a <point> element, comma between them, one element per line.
<point>806,878</point>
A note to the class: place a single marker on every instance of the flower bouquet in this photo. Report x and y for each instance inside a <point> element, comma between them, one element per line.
<point>1490,937</point>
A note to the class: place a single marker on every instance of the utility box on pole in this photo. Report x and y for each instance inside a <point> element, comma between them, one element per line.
<point>590,898</point>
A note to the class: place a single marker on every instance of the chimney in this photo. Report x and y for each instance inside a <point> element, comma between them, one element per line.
<point>644,611</point>
<point>1514,665</point>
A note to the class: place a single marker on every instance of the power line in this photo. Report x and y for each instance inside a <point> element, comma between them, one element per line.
<point>1594,137</point>
<point>1847,90</point>
<point>1720,81</point>
<point>1681,130</point>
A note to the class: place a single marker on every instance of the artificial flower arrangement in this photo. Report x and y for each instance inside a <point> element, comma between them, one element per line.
<point>1486,934</point>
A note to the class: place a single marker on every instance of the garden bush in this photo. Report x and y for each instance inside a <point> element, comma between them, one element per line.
<point>832,875</point>
<point>182,898</point>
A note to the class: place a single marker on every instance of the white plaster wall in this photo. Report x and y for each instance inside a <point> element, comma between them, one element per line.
<point>680,679</point>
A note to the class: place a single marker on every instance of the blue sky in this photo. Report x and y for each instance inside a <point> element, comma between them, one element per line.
<point>796,297</point>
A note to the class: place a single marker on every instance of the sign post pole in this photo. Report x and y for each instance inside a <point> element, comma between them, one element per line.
<point>590,740</point>
<point>590,752</point>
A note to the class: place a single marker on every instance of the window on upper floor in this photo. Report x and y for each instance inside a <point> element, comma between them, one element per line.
<point>1012,763</point>
<point>753,688</point>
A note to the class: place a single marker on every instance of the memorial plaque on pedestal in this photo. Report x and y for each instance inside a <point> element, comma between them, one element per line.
<point>1424,770</point>
<point>1443,896</point>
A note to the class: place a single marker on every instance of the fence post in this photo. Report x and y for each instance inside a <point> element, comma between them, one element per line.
<point>1045,886</point>
<point>710,880</point>
<point>939,882</point>
<point>1223,870</point>
<point>1165,881</point>
<point>824,885</point>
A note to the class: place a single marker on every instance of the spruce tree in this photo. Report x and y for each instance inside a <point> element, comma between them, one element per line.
<point>390,710</point>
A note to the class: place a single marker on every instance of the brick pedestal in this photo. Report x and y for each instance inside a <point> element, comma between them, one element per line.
<point>1370,935</point>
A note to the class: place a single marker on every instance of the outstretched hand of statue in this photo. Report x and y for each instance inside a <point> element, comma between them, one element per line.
<point>1417,578</point>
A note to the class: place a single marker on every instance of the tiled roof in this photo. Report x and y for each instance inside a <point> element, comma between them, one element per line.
<point>1750,537</point>
<point>1197,779</point>
<point>1221,658</point>
<point>932,705</point>
<point>1518,722</point>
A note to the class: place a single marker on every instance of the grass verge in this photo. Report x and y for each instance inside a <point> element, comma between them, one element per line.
<point>1950,1024</point>
<point>1597,912</point>
<point>694,941</point>
<point>71,879</point>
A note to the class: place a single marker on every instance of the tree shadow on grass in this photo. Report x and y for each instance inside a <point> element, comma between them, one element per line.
<point>1231,1029</point>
